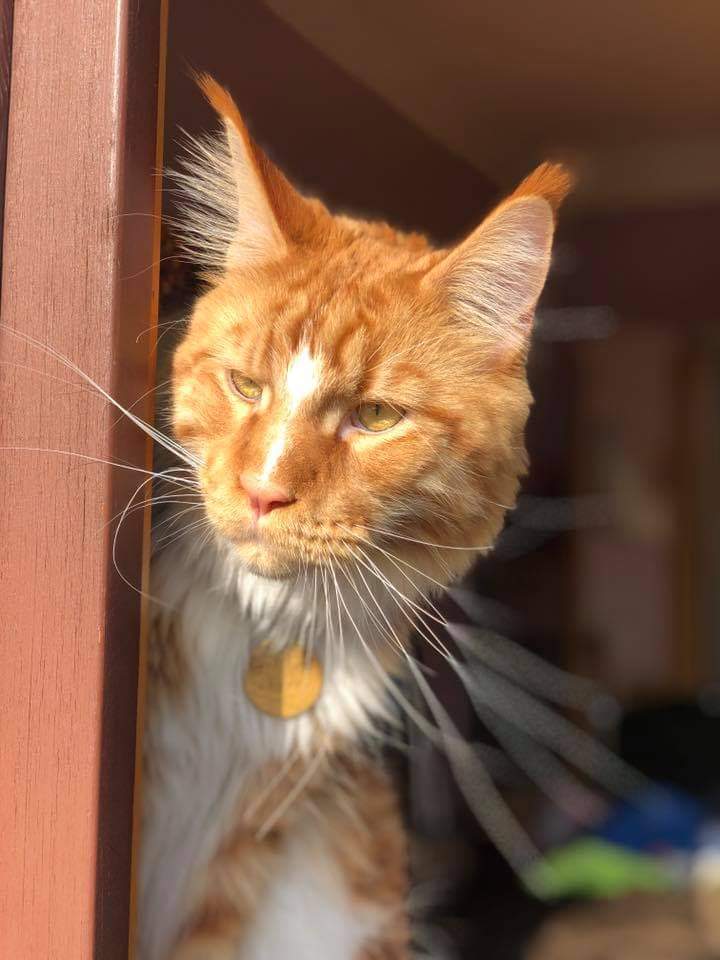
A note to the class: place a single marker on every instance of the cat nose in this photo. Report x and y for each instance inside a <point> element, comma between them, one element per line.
<point>264,496</point>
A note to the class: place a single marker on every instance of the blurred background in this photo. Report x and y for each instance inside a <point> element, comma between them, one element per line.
<point>424,113</point>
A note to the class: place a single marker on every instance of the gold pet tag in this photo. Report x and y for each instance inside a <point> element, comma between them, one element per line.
<point>283,683</point>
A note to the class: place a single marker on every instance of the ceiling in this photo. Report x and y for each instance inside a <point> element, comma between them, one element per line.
<point>629,91</point>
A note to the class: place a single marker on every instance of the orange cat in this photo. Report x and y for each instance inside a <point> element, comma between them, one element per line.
<point>349,404</point>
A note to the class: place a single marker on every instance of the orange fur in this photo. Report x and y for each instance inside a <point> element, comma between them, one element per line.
<point>355,806</point>
<point>358,294</point>
<point>551,181</point>
<point>369,314</point>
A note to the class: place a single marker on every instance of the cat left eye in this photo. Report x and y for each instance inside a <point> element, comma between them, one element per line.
<point>377,416</point>
<point>248,388</point>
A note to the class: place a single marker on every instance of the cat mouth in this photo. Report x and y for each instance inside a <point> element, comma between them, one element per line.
<point>292,547</point>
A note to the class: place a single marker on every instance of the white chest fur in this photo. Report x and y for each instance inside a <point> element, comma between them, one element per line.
<point>206,742</point>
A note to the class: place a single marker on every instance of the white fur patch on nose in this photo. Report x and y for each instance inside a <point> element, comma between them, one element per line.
<point>275,451</point>
<point>302,378</point>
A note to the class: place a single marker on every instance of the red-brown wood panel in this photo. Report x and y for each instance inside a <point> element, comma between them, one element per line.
<point>79,245</point>
<point>6,17</point>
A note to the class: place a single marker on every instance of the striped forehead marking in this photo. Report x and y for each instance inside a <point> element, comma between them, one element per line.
<point>302,378</point>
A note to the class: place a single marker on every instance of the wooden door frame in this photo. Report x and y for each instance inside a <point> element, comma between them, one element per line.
<point>6,21</point>
<point>79,275</point>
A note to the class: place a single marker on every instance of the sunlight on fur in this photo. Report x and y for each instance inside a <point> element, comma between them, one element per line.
<point>348,411</point>
<point>355,401</point>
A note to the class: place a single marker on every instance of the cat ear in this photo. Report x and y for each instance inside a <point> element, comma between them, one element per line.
<point>240,211</point>
<point>494,278</point>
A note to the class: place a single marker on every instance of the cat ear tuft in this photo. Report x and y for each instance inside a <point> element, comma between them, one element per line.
<point>238,210</point>
<point>551,181</point>
<point>494,278</point>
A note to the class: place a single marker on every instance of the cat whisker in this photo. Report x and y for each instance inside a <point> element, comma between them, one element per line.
<point>386,630</point>
<point>176,535</point>
<point>89,459</point>
<point>310,647</point>
<point>152,432</point>
<point>385,679</point>
<point>151,266</point>
<point>526,713</point>
<point>384,583</point>
<point>476,784</point>
<point>160,325</point>
<point>551,776</point>
<point>328,623</point>
<point>163,500</point>
<point>395,560</point>
<point>526,668</point>
<point>49,376</point>
<point>267,789</point>
<point>474,781</point>
<point>402,601</point>
<point>311,769</point>
<point>136,589</point>
<point>165,477</point>
<point>511,713</point>
<point>339,614</point>
<point>172,523</point>
<point>158,386</point>
<point>426,543</point>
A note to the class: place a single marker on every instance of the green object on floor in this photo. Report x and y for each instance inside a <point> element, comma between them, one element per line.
<point>593,868</point>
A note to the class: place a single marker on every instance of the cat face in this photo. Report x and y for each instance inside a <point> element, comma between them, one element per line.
<point>348,389</point>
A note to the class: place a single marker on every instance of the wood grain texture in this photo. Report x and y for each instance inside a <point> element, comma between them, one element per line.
<point>6,19</point>
<point>77,275</point>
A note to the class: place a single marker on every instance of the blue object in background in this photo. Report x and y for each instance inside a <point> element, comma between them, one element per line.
<point>655,819</point>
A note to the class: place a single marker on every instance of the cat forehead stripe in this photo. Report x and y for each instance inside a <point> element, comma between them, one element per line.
<point>303,377</point>
<point>274,453</point>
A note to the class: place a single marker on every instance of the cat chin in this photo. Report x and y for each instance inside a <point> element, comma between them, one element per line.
<point>255,552</point>
<point>266,561</point>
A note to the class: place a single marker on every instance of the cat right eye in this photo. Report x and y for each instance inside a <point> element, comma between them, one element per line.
<point>246,387</point>
<point>377,416</point>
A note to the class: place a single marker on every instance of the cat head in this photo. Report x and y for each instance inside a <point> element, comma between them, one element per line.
<point>350,391</point>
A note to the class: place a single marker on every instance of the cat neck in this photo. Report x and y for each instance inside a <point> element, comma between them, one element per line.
<point>206,745</point>
<point>218,612</point>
